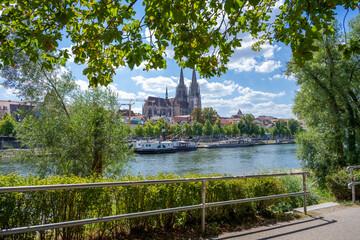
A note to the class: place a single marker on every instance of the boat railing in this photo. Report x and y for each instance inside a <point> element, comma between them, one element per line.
<point>203,205</point>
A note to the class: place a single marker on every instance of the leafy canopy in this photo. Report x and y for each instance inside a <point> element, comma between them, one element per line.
<point>90,140</point>
<point>328,102</point>
<point>107,34</point>
<point>7,125</point>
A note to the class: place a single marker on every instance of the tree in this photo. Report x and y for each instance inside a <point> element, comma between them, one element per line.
<point>197,128</point>
<point>207,128</point>
<point>328,103</point>
<point>177,130</point>
<point>218,124</point>
<point>293,126</point>
<point>216,130</point>
<point>247,126</point>
<point>187,128</point>
<point>196,115</point>
<point>31,82</point>
<point>280,128</point>
<point>209,114</point>
<point>262,131</point>
<point>149,129</point>
<point>7,125</point>
<point>227,130</point>
<point>91,139</point>
<point>139,131</point>
<point>109,34</point>
<point>234,129</point>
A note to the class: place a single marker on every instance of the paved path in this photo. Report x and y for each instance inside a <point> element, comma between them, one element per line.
<point>342,223</point>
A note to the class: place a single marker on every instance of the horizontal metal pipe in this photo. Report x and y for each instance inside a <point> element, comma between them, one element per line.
<point>215,204</point>
<point>139,214</point>
<point>354,183</point>
<point>136,183</point>
<point>94,220</point>
<point>352,167</point>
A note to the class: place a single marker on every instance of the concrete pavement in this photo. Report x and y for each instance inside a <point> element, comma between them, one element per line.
<point>331,224</point>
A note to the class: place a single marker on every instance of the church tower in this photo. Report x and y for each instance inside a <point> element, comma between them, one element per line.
<point>181,89</point>
<point>194,93</point>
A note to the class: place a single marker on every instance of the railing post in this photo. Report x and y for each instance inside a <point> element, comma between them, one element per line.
<point>304,189</point>
<point>203,206</point>
<point>352,185</point>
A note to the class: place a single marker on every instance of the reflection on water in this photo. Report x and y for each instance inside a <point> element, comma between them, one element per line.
<point>234,161</point>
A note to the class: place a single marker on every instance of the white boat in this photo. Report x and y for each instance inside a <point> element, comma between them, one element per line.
<point>154,147</point>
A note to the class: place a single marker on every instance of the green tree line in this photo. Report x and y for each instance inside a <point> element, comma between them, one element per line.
<point>244,127</point>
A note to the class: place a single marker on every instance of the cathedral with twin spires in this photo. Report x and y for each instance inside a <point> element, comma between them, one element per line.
<point>182,104</point>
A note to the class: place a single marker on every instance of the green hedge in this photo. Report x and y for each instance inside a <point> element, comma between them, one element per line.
<point>33,208</point>
<point>338,185</point>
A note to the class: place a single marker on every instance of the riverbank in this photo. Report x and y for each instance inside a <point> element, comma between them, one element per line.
<point>201,144</point>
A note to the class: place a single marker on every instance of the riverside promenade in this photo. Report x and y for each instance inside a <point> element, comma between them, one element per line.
<point>326,224</point>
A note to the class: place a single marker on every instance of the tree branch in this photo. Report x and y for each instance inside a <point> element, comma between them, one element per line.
<point>56,92</point>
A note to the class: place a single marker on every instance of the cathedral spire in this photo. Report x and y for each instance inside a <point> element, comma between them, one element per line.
<point>181,82</point>
<point>181,89</point>
<point>166,94</point>
<point>194,93</point>
<point>193,80</point>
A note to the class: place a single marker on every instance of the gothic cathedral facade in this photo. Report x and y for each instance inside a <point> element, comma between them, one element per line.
<point>182,104</point>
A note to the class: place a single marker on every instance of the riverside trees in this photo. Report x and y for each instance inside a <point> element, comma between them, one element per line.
<point>328,102</point>
<point>108,34</point>
<point>71,131</point>
<point>90,139</point>
<point>198,129</point>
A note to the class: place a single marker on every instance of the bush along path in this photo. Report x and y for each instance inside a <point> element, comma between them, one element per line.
<point>44,207</point>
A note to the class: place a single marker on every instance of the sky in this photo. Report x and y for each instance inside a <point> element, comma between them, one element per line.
<point>254,83</point>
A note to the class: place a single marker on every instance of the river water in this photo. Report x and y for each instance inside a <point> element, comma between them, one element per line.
<point>233,161</point>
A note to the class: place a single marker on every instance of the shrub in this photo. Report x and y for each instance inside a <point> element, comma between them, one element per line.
<point>338,185</point>
<point>294,184</point>
<point>44,207</point>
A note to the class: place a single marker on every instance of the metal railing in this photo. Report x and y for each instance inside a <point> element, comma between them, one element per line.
<point>353,183</point>
<point>202,206</point>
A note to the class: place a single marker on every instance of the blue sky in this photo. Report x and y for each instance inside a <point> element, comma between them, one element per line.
<point>254,82</point>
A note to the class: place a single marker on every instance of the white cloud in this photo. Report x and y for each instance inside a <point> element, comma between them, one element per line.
<point>7,93</point>
<point>246,59</point>
<point>216,89</point>
<point>242,64</point>
<point>84,85</point>
<point>282,76</point>
<point>276,76</point>
<point>268,66</point>
<point>155,84</point>
<point>263,108</point>
<point>249,95</point>
<point>250,101</point>
<point>170,52</point>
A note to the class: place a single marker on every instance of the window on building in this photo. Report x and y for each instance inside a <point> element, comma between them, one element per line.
<point>5,108</point>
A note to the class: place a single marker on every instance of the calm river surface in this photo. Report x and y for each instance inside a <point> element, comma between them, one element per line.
<point>234,161</point>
